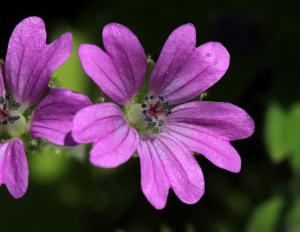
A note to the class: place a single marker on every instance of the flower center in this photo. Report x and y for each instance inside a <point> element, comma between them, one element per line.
<point>6,105</point>
<point>12,122</point>
<point>155,110</point>
<point>148,118</point>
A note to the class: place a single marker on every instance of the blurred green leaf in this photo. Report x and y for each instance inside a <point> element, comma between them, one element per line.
<point>70,193</point>
<point>48,164</point>
<point>265,217</point>
<point>222,226</point>
<point>282,134</point>
<point>165,228</point>
<point>70,74</point>
<point>294,137</point>
<point>189,228</point>
<point>292,223</point>
<point>276,133</point>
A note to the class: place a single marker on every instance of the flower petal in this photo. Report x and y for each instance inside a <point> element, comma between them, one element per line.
<point>115,148</point>
<point>174,54</point>
<point>119,71</point>
<point>222,120</point>
<point>53,117</point>
<point>14,167</point>
<point>203,68</point>
<point>217,150</point>
<point>98,65</point>
<point>167,157</point>
<point>30,61</point>
<point>127,54</point>
<point>154,180</point>
<point>2,87</point>
<point>184,172</point>
<point>94,122</point>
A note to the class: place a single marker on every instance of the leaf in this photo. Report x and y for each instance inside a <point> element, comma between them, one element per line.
<point>266,216</point>
<point>276,133</point>
<point>48,164</point>
<point>189,228</point>
<point>294,137</point>
<point>292,223</point>
<point>165,228</point>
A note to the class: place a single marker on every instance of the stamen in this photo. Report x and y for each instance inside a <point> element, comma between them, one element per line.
<point>12,119</point>
<point>155,110</point>
<point>151,124</point>
<point>7,103</point>
<point>148,119</point>
<point>15,105</point>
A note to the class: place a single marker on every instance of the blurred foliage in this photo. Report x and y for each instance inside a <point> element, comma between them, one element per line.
<point>276,132</point>
<point>282,133</point>
<point>71,74</point>
<point>293,218</point>
<point>49,164</point>
<point>67,193</point>
<point>266,216</point>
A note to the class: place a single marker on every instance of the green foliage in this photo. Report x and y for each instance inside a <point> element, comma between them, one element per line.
<point>282,134</point>
<point>276,133</point>
<point>294,138</point>
<point>165,228</point>
<point>71,75</point>
<point>292,223</point>
<point>48,163</point>
<point>189,228</point>
<point>266,216</point>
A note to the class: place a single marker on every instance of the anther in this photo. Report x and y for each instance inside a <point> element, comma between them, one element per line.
<point>155,110</point>
<point>148,119</point>
<point>7,103</point>
<point>16,105</point>
<point>12,119</point>
<point>152,124</point>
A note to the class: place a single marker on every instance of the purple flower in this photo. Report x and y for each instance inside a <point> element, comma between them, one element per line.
<point>166,125</point>
<point>29,64</point>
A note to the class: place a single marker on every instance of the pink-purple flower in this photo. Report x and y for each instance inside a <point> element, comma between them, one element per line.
<point>166,123</point>
<point>24,80</point>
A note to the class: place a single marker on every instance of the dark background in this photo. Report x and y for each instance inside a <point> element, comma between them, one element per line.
<point>263,37</point>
